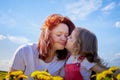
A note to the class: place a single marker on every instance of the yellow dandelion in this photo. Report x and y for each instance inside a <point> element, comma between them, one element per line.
<point>15,73</point>
<point>35,73</point>
<point>93,76</point>
<point>107,72</point>
<point>118,76</point>
<point>7,76</point>
<point>23,76</point>
<point>41,75</point>
<point>113,68</point>
<point>49,78</point>
<point>45,73</point>
<point>44,76</point>
<point>57,78</point>
<point>100,76</point>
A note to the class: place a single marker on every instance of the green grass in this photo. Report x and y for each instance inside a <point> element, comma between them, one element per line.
<point>2,74</point>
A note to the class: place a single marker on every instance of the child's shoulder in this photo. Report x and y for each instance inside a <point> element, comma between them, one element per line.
<point>87,64</point>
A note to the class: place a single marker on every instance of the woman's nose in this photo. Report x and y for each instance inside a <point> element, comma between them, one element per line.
<point>64,37</point>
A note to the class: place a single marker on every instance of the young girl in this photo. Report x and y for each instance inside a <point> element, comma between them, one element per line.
<point>82,46</point>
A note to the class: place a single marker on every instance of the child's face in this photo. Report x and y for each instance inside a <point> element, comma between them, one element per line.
<point>70,41</point>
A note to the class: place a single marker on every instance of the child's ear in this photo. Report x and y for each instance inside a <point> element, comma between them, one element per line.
<point>76,48</point>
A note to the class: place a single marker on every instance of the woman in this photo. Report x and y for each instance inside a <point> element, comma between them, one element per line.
<point>50,51</point>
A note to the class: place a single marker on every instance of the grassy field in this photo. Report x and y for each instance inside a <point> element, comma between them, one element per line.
<point>2,74</point>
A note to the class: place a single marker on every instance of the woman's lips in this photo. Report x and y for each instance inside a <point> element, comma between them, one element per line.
<point>63,43</point>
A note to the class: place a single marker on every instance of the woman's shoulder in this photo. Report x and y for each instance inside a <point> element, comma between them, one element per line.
<point>25,48</point>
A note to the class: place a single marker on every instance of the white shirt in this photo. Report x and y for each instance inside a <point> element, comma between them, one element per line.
<point>26,59</point>
<point>84,68</point>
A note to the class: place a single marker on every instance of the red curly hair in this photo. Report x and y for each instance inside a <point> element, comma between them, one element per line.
<point>45,42</point>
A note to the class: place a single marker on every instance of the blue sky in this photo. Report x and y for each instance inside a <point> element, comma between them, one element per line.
<point>20,22</point>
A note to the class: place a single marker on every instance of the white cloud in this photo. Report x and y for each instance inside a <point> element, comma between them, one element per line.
<point>15,39</point>
<point>5,19</point>
<point>4,64</point>
<point>81,9</point>
<point>2,37</point>
<point>114,60</point>
<point>19,40</point>
<point>117,24</point>
<point>109,7</point>
<point>117,54</point>
<point>34,25</point>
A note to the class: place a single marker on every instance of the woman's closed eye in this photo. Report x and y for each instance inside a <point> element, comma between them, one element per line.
<point>65,35</point>
<point>58,35</point>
